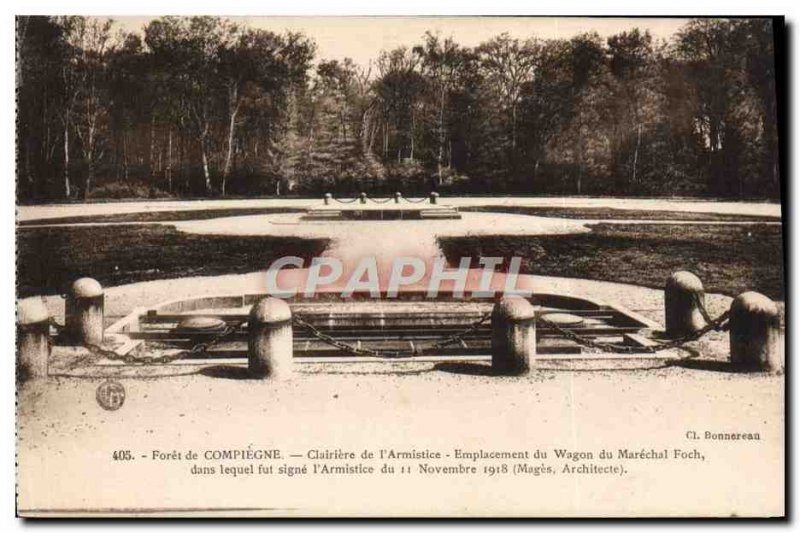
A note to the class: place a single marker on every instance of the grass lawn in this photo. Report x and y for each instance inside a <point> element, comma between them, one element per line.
<point>164,216</point>
<point>729,259</point>
<point>606,213</point>
<point>50,259</point>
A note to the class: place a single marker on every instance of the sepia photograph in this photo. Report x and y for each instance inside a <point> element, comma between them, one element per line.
<point>400,266</point>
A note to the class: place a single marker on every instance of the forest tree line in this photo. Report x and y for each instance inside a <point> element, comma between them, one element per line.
<point>204,106</point>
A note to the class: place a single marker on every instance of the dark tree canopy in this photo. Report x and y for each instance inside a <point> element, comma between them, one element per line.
<point>201,106</point>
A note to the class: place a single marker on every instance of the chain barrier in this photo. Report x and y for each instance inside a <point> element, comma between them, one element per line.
<point>701,306</point>
<point>99,352</point>
<point>717,324</point>
<point>417,201</point>
<point>416,351</point>
<point>383,201</point>
<point>379,201</point>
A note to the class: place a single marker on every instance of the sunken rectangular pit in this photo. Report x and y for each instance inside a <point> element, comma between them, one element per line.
<point>411,327</point>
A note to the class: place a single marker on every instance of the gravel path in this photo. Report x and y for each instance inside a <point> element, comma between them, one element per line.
<point>41,212</point>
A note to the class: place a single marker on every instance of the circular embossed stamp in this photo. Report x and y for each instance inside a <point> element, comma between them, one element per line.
<point>110,395</point>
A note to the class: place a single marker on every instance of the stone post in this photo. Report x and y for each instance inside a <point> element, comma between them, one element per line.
<point>327,198</point>
<point>682,292</point>
<point>363,197</point>
<point>33,343</point>
<point>434,197</point>
<point>270,344</point>
<point>397,197</point>
<point>755,333</point>
<point>84,312</point>
<point>513,335</point>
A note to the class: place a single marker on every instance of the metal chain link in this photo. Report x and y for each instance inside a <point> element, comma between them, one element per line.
<point>701,306</point>
<point>418,201</point>
<point>375,200</point>
<point>587,341</point>
<point>416,351</point>
<point>716,324</point>
<point>99,352</point>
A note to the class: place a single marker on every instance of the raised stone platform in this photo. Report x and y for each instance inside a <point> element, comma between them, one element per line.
<point>384,211</point>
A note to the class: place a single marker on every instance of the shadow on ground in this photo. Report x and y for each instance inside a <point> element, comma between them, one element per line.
<point>226,372</point>
<point>409,372</point>
<point>470,369</point>
<point>713,366</point>
<point>478,369</point>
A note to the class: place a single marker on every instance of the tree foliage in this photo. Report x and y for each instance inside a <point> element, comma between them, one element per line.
<point>203,106</point>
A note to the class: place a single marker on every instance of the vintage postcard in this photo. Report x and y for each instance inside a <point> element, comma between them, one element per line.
<point>400,266</point>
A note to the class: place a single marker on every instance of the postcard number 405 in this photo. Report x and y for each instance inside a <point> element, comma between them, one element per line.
<point>122,455</point>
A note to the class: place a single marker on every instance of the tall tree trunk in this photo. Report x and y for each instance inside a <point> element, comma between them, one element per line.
<point>181,166</point>
<point>513,128</point>
<point>449,154</point>
<point>67,190</point>
<point>117,164</point>
<point>440,155</point>
<point>169,160</point>
<point>580,158</point>
<point>152,146</point>
<point>365,132</point>
<point>385,140</point>
<point>89,177</point>
<point>204,156</point>
<point>206,174</point>
<point>714,144</point>
<point>125,156</point>
<point>636,151</point>
<point>413,123</point>
<point>234,110</point>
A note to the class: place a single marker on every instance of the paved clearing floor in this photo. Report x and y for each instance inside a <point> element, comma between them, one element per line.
<point>41,212</point>
<point>66,440</point>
